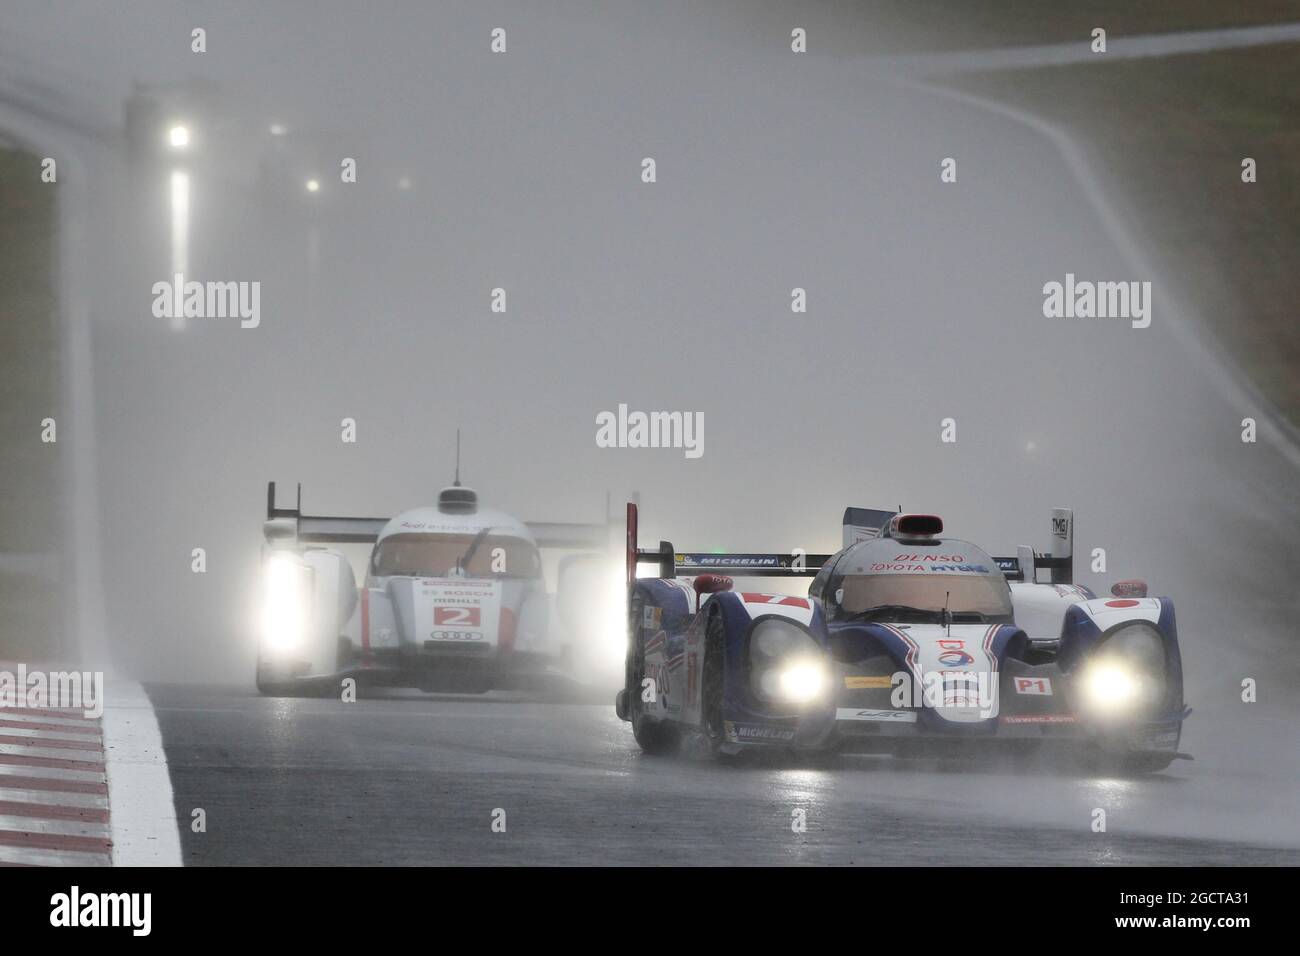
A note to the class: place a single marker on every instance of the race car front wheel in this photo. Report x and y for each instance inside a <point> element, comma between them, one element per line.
<point>1145,763</point>
<point>271,684</point>
<point>268,685</point>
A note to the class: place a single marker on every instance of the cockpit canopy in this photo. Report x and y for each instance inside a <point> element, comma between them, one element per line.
<point>888,579</point>
<point>422,554</point>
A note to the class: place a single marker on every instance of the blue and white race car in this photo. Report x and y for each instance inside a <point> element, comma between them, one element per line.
<point>906,641</point>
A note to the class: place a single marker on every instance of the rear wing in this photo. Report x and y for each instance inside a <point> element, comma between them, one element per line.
<point>859,524</point>
<point>316,529</point>
<point>794,564</point>
<point>291,523</point>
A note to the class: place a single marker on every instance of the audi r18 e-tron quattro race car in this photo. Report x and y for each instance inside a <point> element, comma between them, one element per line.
<point>454,598</point>
<point>906,641</point>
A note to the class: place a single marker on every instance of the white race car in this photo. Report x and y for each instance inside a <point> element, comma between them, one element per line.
<point>454,599</point>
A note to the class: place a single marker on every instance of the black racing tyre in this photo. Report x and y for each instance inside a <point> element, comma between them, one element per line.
<point>268,685</point>
<point>1146,762</point>
<point>652,736</point>
<point>712,681</point>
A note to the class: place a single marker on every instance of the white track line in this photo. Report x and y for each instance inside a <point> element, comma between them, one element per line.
<point>52,773</point>
<point>30,857</point>
<point>145,829</point>
<point>1118,47</point>
<point>22,718</point>
<point>54,753</point>
<point>1223,374</point>
<point>92,741</point>
<point>29,824</point>
<point>53,798</point>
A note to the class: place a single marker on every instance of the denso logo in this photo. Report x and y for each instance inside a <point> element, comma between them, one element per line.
<point>933,558</point>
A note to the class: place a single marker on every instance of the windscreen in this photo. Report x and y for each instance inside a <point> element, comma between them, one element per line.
<point>982,594</point>
<point>434,555</point>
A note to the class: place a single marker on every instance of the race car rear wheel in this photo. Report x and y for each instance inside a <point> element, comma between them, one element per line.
<point>712,682</point>
<point>652,736</point>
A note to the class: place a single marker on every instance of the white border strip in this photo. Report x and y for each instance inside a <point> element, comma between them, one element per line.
<point>140,809</point>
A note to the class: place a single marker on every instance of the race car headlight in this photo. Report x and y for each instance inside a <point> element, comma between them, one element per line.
<point>1127,675</point>
<point>802,681</point>
<point>286,604</point>
<point>786,664</point>
<point>1111,684</point>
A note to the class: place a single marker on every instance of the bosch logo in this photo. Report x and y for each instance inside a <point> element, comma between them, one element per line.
<point>955,659</point>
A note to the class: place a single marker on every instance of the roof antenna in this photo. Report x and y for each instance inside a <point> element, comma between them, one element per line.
<point>947,615</point>
<point>456,483</point>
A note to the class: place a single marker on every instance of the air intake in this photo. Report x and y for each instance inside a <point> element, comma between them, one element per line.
<point>457,500</point>
<point>915,526</point>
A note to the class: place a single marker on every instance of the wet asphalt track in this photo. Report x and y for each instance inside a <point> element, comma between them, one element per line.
<point>411,780</point>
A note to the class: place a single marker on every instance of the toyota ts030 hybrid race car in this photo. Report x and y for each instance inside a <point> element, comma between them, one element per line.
<point>454,598</point>
<point>907,641</point>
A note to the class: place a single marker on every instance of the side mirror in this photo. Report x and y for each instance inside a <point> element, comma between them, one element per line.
<point>712,583</point>
<point>279,530</point>
<point>1132,588</point>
